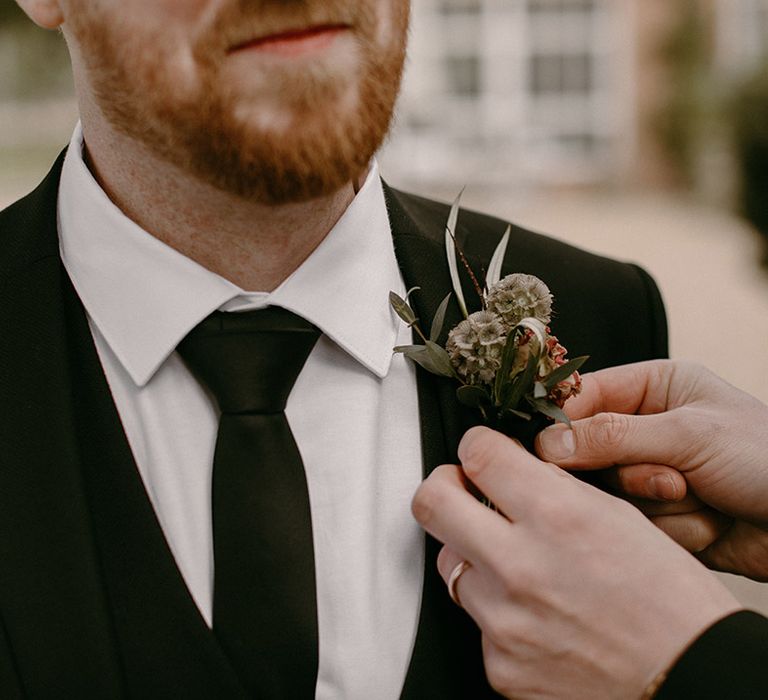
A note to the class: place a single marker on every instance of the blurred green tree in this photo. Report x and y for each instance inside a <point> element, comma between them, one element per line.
<point>685,50</point>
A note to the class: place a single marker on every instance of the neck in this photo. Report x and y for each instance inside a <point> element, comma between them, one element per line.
<point>255,246</point>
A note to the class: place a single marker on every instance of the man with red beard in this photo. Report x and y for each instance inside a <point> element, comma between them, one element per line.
<point>177,519</point>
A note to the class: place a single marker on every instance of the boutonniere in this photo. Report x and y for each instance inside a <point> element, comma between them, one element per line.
<point>504,358</point>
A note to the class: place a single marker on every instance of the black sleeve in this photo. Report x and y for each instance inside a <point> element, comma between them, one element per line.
<point>9,680</point>
<point>657,316</point>
<point>728,662</point>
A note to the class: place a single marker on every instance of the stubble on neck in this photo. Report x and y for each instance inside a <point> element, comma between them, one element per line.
<point>254,245</point>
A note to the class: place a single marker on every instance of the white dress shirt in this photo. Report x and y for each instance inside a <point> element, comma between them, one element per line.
<point>353,412</point>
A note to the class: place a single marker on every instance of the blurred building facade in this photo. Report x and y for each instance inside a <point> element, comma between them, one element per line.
<point>741,39</point>
<point>562,92</point>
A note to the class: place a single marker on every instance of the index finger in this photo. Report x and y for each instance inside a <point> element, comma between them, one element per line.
<point>510,476</point>
<point>642,387</point>
<point>449,512</point>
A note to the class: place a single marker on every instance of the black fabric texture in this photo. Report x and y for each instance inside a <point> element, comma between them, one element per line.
<point>729,661</point>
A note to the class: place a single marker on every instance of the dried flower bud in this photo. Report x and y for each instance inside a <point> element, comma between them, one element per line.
<point>475,347</point>
<point>562,391</point>
<point>524,350</point>
<point>550,361</point>
<point>519,296</point>
<point>553,357</point>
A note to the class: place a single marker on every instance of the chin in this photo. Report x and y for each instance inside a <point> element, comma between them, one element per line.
<point>281,115</point>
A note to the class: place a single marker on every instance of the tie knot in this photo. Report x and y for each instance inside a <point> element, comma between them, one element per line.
<point>249,361</point>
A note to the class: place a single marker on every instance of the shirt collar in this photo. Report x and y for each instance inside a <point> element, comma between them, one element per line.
<point>144,296</point>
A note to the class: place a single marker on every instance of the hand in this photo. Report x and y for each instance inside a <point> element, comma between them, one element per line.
<point>675,429</point>
<point>577,595</point>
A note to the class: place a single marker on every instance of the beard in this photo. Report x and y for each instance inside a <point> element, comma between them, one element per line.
<point>288,135</point>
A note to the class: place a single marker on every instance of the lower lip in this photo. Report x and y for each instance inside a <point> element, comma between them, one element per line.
<point>295,43</point>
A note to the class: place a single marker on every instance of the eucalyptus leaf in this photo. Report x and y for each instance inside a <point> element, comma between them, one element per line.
<point>507,360</point>
<point>420,355</point>
<point>450,252</point>
<point>412,351</point>
<point>522,384</point>
<point>402,309</point>
<point>565,371</point>
<point>550,409</point>
<point>494,267</point>
<point>503,394</point>
<point>440,359</point>
<point>405,349</point>
<point>428,358</point>
<point>428,363</point>
<point>472,395</point>
<point>439,319</point>
<point>519,414</point>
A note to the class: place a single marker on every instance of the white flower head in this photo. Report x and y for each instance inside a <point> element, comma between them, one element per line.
<point>475,347</point>
<point>520,296</point>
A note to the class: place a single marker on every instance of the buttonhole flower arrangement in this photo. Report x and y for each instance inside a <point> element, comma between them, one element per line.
<point>504,358</point>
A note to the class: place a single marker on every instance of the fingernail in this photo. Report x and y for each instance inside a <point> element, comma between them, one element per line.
<point>663,487</point>
<point>556,443</point>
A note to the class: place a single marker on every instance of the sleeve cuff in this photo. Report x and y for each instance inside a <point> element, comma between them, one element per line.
<point>729,660</point>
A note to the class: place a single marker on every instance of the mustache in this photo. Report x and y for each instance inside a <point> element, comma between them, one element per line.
<point>242,21</point>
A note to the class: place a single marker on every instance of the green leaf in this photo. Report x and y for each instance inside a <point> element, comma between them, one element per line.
<point>550,409</point>
<point>494,267</point>
<point>472,395</point>
<point>520,414</point>
<point>405,349</point>
<point>507,360</point>
<point>564,371</point>
<point>439,319</point>
<point>431,357</point>
<point>417,353</point>
<point>402,309</point>
<point>441,359</point>
<point>523,383</point>
<point>503,395</point>
<point>450,252</point>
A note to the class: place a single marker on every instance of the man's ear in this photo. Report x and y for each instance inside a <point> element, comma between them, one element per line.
<point>46,13</point>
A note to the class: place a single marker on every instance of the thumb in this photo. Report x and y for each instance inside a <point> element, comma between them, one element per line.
<point>607,439</point>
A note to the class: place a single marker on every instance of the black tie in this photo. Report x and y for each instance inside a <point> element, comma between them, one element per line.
<point>264,602</point>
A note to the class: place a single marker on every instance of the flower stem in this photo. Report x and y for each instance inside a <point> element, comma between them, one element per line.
<point>415,327</point>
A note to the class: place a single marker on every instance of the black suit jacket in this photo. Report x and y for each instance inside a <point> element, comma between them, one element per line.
<point>92,604</point>
<point>728,662</point>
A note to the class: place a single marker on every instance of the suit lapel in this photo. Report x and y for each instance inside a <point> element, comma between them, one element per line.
<point>446,661</point>
<point>53,605</point>
<point>420,253</point>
